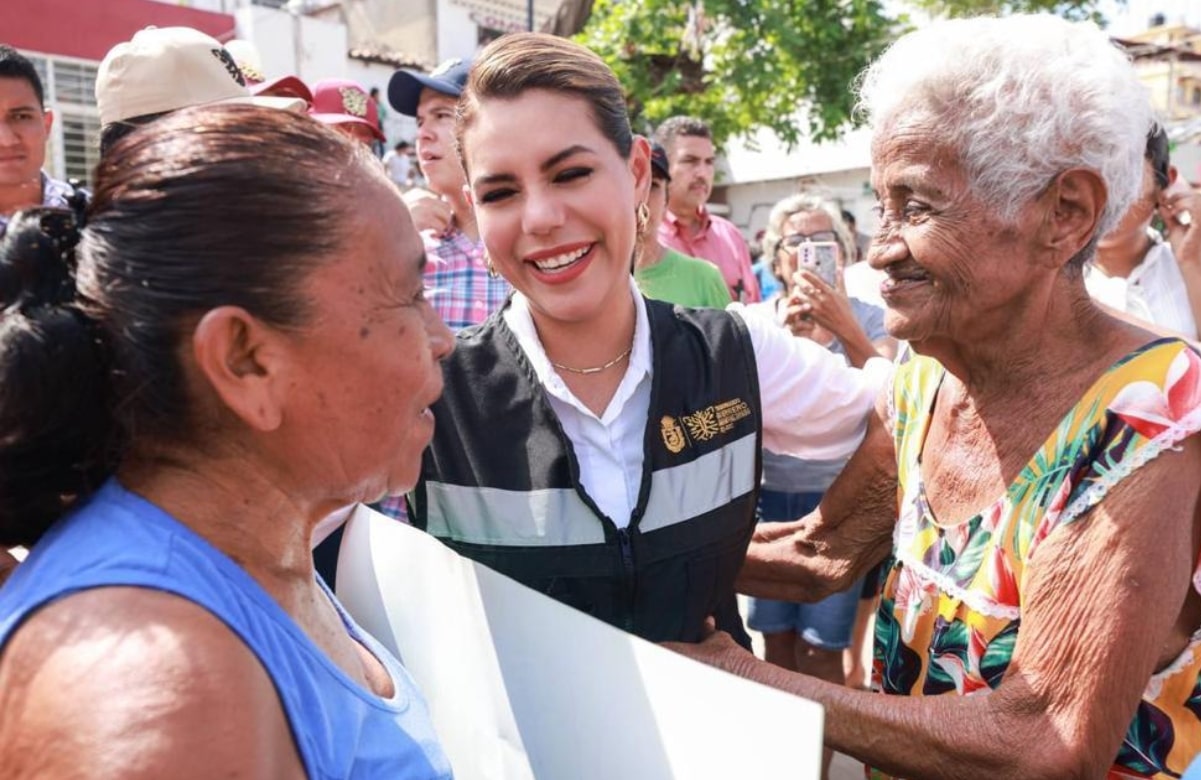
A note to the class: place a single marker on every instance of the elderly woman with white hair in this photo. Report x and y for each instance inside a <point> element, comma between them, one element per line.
<point>1032,476</point>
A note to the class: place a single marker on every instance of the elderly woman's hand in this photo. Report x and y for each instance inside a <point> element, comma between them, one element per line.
<point>830,308</point>
<point>1180,207</point>
<point>718,649</point>
<point>800,323</point>
<point>827,305</point>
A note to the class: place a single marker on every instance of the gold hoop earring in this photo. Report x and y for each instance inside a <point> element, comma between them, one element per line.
<point>491,268</point>
<point>642,218</point>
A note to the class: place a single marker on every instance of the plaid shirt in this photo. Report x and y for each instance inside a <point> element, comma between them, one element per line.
<point>462,292</point>
<point>458,283</point>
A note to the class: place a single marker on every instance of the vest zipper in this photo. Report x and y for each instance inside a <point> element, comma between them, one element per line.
<point>627,564</point>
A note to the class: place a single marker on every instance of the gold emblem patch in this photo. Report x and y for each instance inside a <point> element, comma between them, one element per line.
<point>706,423</point>
<point>702,425</point>
<point>673,434</point>
<point>354,101</point>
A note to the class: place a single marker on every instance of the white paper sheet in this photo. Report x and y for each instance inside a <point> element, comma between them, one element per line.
<point>521,686</point>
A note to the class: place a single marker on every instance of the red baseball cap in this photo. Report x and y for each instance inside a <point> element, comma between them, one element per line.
<point>284,86</point>
<point>341,101</point>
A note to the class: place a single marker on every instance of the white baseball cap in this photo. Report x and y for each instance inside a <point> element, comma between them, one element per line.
<point>168,68</point>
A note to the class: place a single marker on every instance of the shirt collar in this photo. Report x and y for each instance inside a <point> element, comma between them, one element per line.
<point>55,192</point>
<point>517,316</point>
<point>677,224</point>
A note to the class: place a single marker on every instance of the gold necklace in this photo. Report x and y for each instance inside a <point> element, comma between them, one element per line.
<point>595,369</point>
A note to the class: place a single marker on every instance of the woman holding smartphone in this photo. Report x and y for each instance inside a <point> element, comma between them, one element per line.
<point>807,243</point>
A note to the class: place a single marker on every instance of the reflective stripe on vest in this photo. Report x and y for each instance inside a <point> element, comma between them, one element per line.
<point>558,517</point>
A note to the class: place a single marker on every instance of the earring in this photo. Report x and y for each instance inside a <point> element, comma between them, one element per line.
<point>491,268</point>
<point>642,217</point>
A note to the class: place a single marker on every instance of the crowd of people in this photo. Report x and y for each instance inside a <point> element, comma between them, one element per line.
<point>554,358</point>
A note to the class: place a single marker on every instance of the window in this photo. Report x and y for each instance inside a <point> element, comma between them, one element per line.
<point>74,146</point>
<point>81,144</point>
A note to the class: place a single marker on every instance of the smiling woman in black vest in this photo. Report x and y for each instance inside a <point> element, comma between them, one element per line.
<point>597,446</point>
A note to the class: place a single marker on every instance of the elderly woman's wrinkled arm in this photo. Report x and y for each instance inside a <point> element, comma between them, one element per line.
<point>850,531</point>
<point>1103,608</point>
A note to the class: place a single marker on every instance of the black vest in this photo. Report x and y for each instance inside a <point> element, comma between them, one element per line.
<point>500,481</point>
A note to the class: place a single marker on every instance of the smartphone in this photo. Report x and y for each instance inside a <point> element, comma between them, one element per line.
<point>820,257</point>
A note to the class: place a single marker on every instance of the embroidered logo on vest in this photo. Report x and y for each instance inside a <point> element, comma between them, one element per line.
<point>673,435</point>
<point>706,423</point>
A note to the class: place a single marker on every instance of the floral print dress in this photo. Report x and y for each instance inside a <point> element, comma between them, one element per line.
<point>951,607</point>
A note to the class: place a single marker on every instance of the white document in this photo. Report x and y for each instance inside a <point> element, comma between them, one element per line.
<point>521,686</point>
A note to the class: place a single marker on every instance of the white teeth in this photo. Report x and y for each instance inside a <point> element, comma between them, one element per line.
<point>561,261</point>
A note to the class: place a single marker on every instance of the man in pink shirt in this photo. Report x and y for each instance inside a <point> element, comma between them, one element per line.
<point>688,226</point>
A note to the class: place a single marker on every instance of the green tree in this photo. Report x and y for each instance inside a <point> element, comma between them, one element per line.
<point>1068,9</point>
<point>787,65</point>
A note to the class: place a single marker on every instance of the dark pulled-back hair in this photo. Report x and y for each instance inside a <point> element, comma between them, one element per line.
<point>214,206</point>
<point>15,65</point>
<point>115,131</point>
<point>516,63</point>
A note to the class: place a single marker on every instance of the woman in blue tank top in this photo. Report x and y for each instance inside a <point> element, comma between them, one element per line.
<point>235,345</point>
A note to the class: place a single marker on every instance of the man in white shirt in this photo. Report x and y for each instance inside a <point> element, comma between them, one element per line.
<point>399,165</point>
<point>1135,271</point>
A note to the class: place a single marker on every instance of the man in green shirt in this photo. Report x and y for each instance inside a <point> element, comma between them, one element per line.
<point>666,274</point>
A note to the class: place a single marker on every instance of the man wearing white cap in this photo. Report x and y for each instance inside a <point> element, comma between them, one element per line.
<point>164,69</point>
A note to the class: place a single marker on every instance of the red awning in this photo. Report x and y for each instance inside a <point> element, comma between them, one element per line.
<point>88,29</point>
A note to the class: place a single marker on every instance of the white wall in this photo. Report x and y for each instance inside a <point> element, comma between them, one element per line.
<point>457,34</point>
<point>288,45</point>
<point>751,202</point>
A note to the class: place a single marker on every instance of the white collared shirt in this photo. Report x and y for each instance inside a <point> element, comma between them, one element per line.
<point>1154,291</point>
<point>814,405</point>
<point>608,448</point>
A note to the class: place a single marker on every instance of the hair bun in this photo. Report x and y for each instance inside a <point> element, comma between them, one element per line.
<point>37,258</point>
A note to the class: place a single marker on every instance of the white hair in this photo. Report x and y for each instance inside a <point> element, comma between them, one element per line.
<point>807,203</point>
<point>1020,99</point>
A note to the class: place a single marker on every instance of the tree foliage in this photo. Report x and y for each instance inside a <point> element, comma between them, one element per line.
<point>739,64</point>
<point>787,65</point>
<point>1068,9</point>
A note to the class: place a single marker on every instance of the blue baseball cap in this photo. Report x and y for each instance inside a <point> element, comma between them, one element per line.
<point>404,88</point>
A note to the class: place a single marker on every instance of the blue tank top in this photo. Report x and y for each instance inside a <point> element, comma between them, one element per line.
<point>341,730</point>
